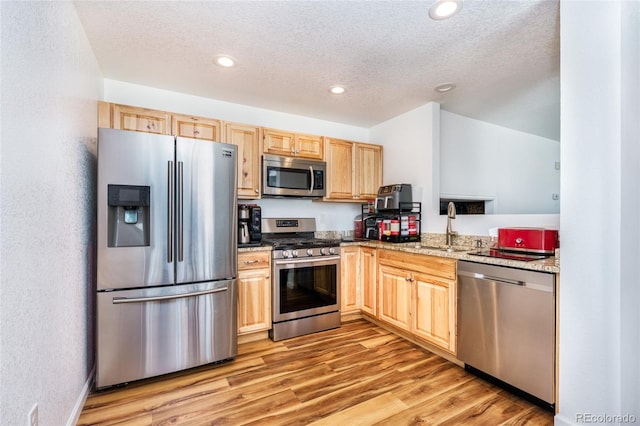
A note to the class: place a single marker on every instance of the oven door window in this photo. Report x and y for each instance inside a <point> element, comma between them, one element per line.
<point>308,287</point>
<point>286,178</point>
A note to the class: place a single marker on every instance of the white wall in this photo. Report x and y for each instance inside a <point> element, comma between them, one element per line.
<point>408,154</point>
<point>50,84</point>
<point>630,219</point>
<point>411,155</point>
<point>516,169</point>
<point>599,371</point>
<point>330,216</point>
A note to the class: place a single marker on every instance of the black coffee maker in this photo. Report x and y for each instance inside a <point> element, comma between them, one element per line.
<point>249,225</point>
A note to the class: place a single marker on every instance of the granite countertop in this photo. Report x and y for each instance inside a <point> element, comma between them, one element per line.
<point>550,264</point>
<point>265,247</point>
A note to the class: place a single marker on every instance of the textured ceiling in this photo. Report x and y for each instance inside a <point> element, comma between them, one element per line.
<point>502,55</point>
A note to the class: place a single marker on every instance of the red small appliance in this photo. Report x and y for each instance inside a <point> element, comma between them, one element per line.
<point>529,240</point>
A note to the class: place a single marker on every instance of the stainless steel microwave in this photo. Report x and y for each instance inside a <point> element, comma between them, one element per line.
<point>293,177</point>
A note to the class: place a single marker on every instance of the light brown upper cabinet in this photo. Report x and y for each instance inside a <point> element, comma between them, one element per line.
<point>247,139</point>
<point>140,119</point>
<point>195,127</point>
<point>278,142</point>
<point>354,170</point>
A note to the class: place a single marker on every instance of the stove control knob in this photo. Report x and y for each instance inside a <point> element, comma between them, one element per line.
<point>323,251</point>
<point>286,253</point>
<point>309,252</point>
<point>332,250</point>
<point>294,253</point>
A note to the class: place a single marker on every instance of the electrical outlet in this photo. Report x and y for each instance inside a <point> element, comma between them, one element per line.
<point>32,420</point>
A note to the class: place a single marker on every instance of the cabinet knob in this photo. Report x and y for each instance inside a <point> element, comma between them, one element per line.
<point>257,191</point>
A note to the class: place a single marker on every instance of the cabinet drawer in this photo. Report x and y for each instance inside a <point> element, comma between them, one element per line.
<point>432,265</point>
<point>254,260</point>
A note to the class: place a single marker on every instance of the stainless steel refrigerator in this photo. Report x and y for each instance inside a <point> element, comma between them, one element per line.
<point>167,255</point>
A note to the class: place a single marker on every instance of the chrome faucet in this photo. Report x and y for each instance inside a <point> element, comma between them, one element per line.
<point>451,214</point>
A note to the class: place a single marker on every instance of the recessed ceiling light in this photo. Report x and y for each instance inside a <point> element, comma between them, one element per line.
<point>225,61</point>
<point>444,87</point>
<point>443,9</point>
<point>337,90</point>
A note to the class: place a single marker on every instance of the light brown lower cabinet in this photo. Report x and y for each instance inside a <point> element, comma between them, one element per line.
<point>394,291</point>
<point>417,294</point>
<point>368,280</point>
<point>412,292</point>
<point>254,292</point>
<point>349,279</point>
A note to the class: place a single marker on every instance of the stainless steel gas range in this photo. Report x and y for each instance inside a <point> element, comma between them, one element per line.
<point>305,279</point>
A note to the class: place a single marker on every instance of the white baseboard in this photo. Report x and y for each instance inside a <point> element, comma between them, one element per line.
<point>82,398</point>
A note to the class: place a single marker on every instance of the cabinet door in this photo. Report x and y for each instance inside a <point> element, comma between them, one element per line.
<point>309,146</point>
<point>104,115</point>
<point>247,139</point>
<point>368,175</point>
<point>434,316</point>
<point>340,175</point>
<point>394,291</point>
<point>277,142</point>
<point>254,300</point>
<point>368,280</point>
<point>195,127</point>
<point>141,120</point>
<point>349,278</point>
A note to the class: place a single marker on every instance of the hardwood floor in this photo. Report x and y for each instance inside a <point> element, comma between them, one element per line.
<point>359,374</point>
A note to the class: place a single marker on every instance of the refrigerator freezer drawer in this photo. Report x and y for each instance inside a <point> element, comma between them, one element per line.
<point>149,332</point>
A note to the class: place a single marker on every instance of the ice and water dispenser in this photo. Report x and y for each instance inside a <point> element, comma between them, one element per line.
<point>129,215</point>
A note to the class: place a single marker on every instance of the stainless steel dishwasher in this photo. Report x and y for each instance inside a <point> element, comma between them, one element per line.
<point>506,326</point>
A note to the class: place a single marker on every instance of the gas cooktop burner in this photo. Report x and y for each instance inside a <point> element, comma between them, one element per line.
<point>504,254</point>
<point>296,236</point>
<point>293,243</point>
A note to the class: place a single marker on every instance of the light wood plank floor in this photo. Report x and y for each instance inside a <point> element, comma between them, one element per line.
<point>359,374</point>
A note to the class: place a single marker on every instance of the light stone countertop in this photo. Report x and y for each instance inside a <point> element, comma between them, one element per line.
<point>256,248</point>
<point>550,264</point>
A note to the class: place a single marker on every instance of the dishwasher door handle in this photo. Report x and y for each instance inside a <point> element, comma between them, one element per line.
<point>500,280</point>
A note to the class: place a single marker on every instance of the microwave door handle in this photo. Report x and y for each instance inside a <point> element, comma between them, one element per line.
<point>312,180</point>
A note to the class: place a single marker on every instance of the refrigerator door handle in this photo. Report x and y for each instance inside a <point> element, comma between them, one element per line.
<point>170,202</point>
<point>180,213</point>
<point>117,300</point>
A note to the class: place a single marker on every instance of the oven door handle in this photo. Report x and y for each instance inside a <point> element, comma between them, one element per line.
<point>305,260</point>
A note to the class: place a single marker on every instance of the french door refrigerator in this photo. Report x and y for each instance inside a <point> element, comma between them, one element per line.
<point>167,262</point>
